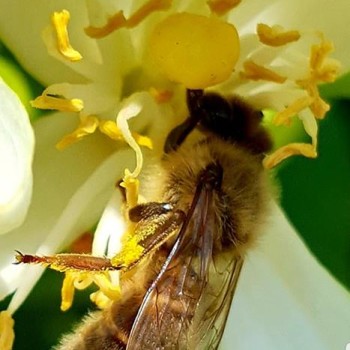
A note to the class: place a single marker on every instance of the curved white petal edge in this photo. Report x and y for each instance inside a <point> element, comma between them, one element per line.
<point>285,299</point>
<point>16,156</point>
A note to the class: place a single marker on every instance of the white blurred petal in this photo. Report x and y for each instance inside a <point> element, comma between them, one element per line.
<point>16,155</point>
<point>57,177</point>
<point>111,227</point>
<point>285,299</point>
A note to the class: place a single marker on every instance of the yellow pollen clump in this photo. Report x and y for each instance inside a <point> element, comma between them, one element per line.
<point>276,35</point>
<point>287,151</point>
<point>46,101</point>
<point>60,22</point>
<point>7,335</point>
<point>254,71</point>
<point>194,50</point>
<point>284,117</point>
<point>221,7</point>
<point>118,20</point>
<point>130,253</point>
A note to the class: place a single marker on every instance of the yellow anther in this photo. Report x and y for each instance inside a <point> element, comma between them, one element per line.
<point>142,140</point>
<point>110,128</point>
<point>319,54</point>
<point>145,10</point>
<point>276,35</point>
<point>254,71</point>
<point>195,50</point>
<point>322,70</point>
<point>110,290</point>
<point>100,299</point>
<point>221,7</point>
<point>132,189</point>
<point>7,335</point>
<point>287,151</point>
<point>161,96</point>
<point>118,20</point>
<point>67,291</point>
<point>87,126</point>
<point>284,117</point>
<point>113,23</point>
<point>57,103</point>
<point>60,22</point>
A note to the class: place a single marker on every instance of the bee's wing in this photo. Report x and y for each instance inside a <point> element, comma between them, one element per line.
<point>181,310</point>
<point>211,315</point>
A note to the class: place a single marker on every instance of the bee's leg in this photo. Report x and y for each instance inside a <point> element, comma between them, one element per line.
<point>155,223</point>
<point>64,262</point>
<point>178,135</point>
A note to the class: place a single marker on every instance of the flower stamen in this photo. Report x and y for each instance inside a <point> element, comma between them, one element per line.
<point>87,126</point>
<point>7,334</point>
<point>254,71</point>
<point>276,35</point>
<point>60,23</point>
<point>221,7</point>
<point>284,117</point>
<point>118,20</point>
<point>292,149</point>
<point>46,101</point>
<point>321,70</point>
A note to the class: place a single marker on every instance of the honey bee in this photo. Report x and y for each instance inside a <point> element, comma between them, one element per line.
<point>213,202</point>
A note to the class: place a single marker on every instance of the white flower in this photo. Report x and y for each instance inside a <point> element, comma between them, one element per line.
<point>72,188</point>
<point>16,154</point>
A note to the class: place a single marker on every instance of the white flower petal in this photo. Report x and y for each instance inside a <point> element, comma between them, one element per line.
<point>285,299</point>
<point>21,26</point>
<point>111,227</point>
<point>57,176</point>
<point>16,154</point>
<point>82,211</point>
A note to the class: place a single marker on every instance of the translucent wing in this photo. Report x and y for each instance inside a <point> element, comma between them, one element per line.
<point>187,305</point>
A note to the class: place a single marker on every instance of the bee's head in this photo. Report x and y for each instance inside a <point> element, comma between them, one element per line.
<point>232,120</point>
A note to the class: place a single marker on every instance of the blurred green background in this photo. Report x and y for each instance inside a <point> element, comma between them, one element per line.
<point>315,196</point>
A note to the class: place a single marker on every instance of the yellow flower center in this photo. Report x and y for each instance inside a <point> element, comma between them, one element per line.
<point>195,50</point>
